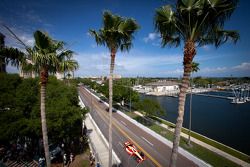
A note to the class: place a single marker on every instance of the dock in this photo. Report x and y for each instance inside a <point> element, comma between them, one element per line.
<point>216,96</point>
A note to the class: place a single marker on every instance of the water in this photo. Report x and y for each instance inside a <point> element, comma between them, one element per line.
<point>213,117</point>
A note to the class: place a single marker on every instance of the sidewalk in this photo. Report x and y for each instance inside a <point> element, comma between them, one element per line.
<point>97,142</point>
<point>205,145</point>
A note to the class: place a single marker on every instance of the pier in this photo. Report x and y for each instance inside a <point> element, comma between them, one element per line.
<point>216,96</point>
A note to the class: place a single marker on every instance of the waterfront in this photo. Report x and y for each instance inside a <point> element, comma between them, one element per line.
<point>215,118</point>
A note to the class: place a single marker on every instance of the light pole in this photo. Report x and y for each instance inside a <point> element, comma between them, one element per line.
<point>190,114</point>
<point>195,68</point>
<point>130,99</point>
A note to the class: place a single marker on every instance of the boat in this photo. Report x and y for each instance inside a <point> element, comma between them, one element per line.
<point>237,101</point>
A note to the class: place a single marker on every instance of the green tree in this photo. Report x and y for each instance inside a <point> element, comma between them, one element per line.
<point>150,107</point>
<point>196,23</point>
<point>22,118</point>
<point>116,34</point>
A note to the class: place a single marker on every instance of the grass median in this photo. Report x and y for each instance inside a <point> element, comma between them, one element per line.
<point>213,143</point>
<point>197,150</point>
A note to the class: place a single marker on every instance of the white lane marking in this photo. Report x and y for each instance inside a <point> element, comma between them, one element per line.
<point>147,141</point>
<point>120,144</point>
<point>123,123</point>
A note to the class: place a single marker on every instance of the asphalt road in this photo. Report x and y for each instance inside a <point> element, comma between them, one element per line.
<point>157,153</point>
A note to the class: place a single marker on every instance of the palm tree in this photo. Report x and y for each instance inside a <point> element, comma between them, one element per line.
<point>195,23</point>
<point>116,34</point>
<point>67,64</point>
<point>9,55</point>
<point>45,59</point>
<point>195,68</point>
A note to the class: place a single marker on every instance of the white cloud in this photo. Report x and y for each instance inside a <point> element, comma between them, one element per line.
<point>245,66</point>
<point>214,70</point>
<point>206,47</point>
<point>175,72</point>
<point>92,64</point>
<point>126,64</point>
<point>151,37</point>
<point>10,40</point>
<point>27,39</point>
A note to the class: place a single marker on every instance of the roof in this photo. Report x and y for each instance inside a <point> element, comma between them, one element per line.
<point>163,83</point>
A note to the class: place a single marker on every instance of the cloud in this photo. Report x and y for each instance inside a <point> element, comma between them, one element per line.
<point>206,47</point>
<point>11,41</point>
<point>92,64</point>
<point>242,69</point>
<point>214,70</point>
<point>175,72</point>
<point>127,64</point>
<point>245,66</point>
<point>151,37</point>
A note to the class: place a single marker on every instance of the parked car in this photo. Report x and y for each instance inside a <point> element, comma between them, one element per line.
<point>55,151</point>
<point>113,110</point>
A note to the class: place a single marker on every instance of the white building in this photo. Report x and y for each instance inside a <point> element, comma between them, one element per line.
<point>169,88</point>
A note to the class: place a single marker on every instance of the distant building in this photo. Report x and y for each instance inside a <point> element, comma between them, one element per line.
<point>32,74</point>
<point>160,88</point>
<point>27,74</point>
<point>165,86</point>
<point>115,76</point>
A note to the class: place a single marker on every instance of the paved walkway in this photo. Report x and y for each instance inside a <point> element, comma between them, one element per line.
<point>209,147</point>
<point>97,142</point>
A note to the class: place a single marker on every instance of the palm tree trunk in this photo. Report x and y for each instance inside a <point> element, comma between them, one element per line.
<point>2,58</point>
<point>189,53</point>
<point>2,65</point>
<point>44,79</point>
<point>112,64</point>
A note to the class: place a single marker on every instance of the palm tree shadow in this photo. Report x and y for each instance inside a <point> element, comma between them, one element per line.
<point>144,121</point>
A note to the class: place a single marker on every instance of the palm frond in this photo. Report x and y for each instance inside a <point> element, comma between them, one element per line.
<point>166,25</point>
<point>117,32</point>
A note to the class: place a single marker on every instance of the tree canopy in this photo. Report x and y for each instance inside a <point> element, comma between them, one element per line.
<point>20,112</point>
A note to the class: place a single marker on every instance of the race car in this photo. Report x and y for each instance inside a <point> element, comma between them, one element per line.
<point>132,151</point>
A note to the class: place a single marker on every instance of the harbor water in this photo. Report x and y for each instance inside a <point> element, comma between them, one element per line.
<point>213,117</point>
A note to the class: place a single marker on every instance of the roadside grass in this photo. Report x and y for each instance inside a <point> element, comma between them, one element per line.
<point>197,150</point>
<point>81,160</point>
<point>213,143</point>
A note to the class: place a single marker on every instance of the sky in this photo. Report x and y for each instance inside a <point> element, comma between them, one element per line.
<point>70,21</point>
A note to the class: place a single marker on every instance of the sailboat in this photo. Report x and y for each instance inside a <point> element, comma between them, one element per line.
<point>238,99</point>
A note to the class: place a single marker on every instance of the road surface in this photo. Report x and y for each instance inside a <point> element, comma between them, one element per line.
<point>157,153</point>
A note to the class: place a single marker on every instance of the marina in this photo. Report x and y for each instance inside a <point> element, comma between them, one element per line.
<point>238,94</point>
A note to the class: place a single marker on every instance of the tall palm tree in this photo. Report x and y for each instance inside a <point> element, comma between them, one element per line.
<point>116,34</point>
<point>195,23</point>
<point>195,68</point>
<point>45,60</point>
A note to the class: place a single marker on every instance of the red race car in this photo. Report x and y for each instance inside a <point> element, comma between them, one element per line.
<point>132,151</point>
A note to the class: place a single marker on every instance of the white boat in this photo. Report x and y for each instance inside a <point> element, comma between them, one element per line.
<point>237,101</point>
